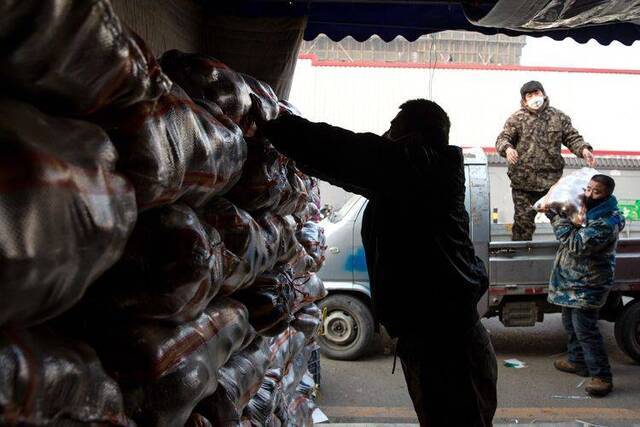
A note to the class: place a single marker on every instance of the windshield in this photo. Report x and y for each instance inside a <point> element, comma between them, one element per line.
<point>338,215</point>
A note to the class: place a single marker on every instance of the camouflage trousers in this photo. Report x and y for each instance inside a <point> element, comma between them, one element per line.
<point>524,215</point>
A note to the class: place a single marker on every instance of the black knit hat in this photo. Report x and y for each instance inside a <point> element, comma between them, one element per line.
<point>531,86</point>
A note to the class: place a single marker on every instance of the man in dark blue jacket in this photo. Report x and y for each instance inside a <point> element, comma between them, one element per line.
<point>425,277</point>
<point>581,279</point>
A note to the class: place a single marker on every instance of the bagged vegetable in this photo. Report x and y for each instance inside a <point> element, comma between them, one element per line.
<point>566,196</point>
<point>260,409</point>
<point>239,380</point>
<point>46,379</point>
<point>66,215</point>
<point>309,289</point>
<point>269,301</point>
<point>74,57</point>
<point>174,148</point>
<point>171,268</point>
<point>263,180</point>
<point>312,237</point>
<point>308,321</point>
<point>247,254</point>
<point>204,77</point>
<point>301,411</point>
<point>165,370</point>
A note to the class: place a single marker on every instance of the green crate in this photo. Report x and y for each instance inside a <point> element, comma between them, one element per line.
<point>630,209</point>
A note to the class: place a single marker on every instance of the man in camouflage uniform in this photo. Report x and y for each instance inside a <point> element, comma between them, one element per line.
<point>581,279</point>
<point>531,141</point>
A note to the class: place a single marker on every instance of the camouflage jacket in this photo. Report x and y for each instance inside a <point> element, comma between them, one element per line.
<point>538,136</point>
<point>584,266</point>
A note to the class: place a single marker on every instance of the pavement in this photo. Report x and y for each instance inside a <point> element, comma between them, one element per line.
<point>366,392</point>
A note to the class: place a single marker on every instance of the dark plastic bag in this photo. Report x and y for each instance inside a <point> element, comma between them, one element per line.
<point>296,200</point>
<point>198,420</point>
<point>239,380</point>
<point>263,180</point>
<point>247,253</point>
<point>294,371</point>
<point>307,385</point>
<point>260,409</point>
<point>66,215</point>
<point>205,78</point>
<point>309,289</point>
<point>268,98</point>
<point>175,148</point>
<point>284,347</point>
<point>165,370</point>
<point>312,237</point>
<point>74,57</point>
<point>308,321</point>
<point>170,270</point>
<point>49,380</point>
<point>301,411</point>
<point>269,301</point>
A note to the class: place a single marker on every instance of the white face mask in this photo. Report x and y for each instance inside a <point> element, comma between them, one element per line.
<point>535,102</point>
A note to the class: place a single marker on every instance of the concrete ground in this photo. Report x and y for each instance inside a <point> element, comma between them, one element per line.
<point>365,391</point>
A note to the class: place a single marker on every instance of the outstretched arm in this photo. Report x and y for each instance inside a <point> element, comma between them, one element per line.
<point>351,160</point>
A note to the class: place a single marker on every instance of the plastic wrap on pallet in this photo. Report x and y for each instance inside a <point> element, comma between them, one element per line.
<point>269,301</point>
<point>49,380</point>
<point>566,196</point>
<point>311,236</point>
<point>239,379</point>
<point>66,215</point>
<point>152,361</point>
<point>170,270</point>
<point>176,148</point>
<point>308,321</point>
<point>204,77</point>
<point>74,57</point>
<point>247,254</point>
<point>264,178</point>
<point>309,289</point>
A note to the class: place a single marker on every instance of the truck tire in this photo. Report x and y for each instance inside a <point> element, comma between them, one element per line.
<point>348,327</point>
<point>627,330</point>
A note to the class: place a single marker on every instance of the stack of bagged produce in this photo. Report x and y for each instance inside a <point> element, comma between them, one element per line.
<point>158,259</point>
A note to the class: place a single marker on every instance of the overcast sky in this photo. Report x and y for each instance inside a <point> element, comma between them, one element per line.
<point>568,53</point>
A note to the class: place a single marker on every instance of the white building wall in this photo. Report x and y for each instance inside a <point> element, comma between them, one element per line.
<point>603,107</point>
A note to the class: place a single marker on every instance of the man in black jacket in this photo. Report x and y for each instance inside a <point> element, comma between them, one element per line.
<point>425,277</point>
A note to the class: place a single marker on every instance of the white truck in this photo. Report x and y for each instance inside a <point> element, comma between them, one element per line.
<point>518,273</point>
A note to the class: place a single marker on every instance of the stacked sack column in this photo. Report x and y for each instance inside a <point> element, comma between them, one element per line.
<point>201,313</point>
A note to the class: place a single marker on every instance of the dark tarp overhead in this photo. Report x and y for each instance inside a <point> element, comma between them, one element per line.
<point>582,20</point>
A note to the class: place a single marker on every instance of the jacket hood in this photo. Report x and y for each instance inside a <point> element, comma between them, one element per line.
<point>608,208</point>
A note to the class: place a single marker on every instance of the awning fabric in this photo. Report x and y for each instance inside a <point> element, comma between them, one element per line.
<point>602,20</point>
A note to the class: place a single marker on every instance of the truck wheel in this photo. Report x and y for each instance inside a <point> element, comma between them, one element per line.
<point>348,327</point>
<point>627,330</point>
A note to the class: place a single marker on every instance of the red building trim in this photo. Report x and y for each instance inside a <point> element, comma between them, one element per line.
<point>457,66</point>
<point>492,150</point>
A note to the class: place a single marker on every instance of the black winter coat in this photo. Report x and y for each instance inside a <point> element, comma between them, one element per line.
<point>415,230</point>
